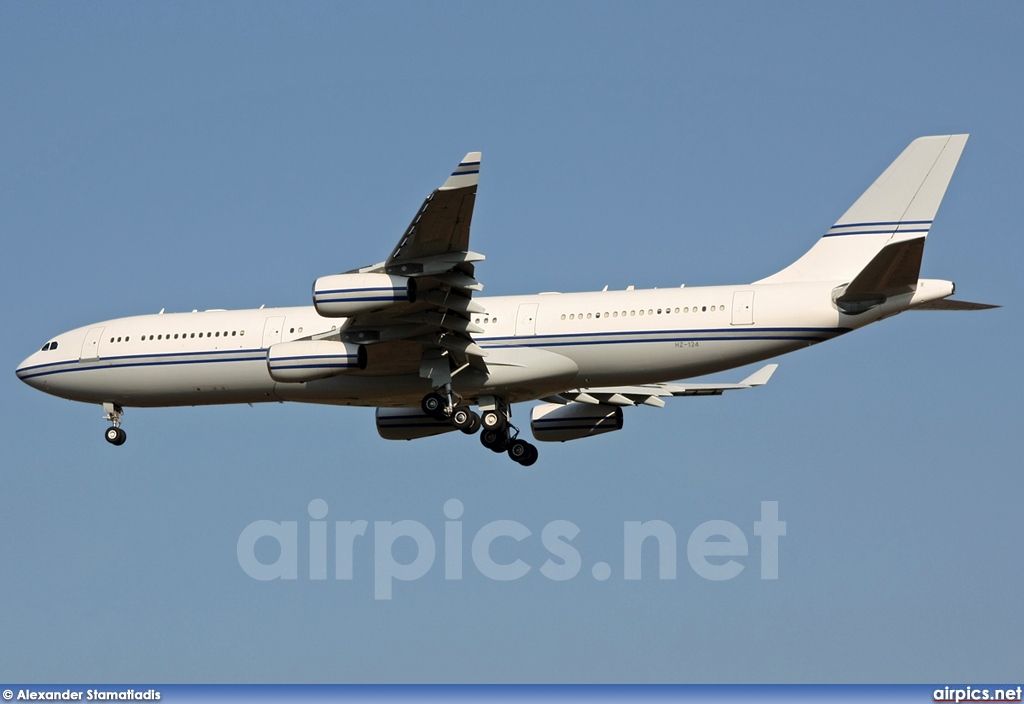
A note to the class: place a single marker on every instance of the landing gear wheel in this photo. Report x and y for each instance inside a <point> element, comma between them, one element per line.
<point>434,406</point>
<point>116,436</point>
<point>467,421</point>
<point>493,440</point>
<point>531,458</point>
<point>492,420</point>
<point>462,417</point>
<point>521,451</point>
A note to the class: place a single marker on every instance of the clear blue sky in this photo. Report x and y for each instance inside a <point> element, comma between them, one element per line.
<point>187,155</point>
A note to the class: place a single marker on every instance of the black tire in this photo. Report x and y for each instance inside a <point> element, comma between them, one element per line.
<point>462,417</point>
<point>116,436</point>
<point>434,406</point>
<point>519,450</point>
<point>492,420</point>
<point>493,440</point>
<point>531,457</point>
<point>474,425</point>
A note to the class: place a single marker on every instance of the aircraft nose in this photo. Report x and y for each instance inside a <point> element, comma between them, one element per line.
<point>24,370</point>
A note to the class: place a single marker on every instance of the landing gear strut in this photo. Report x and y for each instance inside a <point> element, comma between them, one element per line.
<point>494,423</point>
<point>114,435</point>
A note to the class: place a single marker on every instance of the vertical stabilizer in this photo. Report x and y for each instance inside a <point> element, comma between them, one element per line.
<point>900,205</point>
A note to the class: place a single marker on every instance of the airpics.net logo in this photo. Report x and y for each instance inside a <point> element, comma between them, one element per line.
<point>716,550</point>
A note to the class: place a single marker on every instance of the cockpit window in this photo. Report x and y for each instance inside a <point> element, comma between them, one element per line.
<point>53,345</point>
<point>49,346</point>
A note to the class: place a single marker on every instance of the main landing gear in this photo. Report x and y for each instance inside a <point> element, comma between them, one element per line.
<point>114,435</point>
<point>497,434</point>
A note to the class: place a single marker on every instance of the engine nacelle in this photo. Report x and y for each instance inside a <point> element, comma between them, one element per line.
<point>307,360</point>
<point>554,423</point>
<point>345,295</point>
<point>409,424</point>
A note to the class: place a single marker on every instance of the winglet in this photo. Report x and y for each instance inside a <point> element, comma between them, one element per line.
<point>467,173</point>
<point>761,376</point>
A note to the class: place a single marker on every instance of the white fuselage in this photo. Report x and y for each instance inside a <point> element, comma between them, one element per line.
<point>610,338</point>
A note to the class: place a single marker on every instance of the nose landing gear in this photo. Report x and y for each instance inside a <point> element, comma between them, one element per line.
<point>114,435</point>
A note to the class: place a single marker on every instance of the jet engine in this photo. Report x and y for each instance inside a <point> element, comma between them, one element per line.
<point>555,423</point>
<point>345,295</point>
<point>409,424</point>
<point>306,360</point>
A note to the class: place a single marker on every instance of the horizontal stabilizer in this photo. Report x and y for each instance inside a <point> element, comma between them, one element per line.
<point>892,272</point>
<point>651,394</point>
<point>948,304</point>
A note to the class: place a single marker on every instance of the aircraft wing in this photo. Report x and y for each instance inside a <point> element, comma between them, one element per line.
<point>652,394</point>
<point>434,251</point>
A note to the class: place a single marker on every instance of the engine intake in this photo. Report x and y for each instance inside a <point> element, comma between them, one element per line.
<point>554,423</point>
<point>345,295</point>
<point>308,360</point>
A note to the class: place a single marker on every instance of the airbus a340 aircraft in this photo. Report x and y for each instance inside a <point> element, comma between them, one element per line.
<point>411,337</point>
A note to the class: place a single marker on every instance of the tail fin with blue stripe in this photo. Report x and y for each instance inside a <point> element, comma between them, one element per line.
<point>898,207</point>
